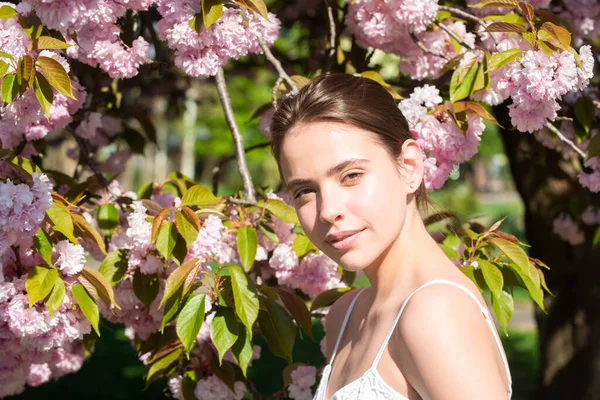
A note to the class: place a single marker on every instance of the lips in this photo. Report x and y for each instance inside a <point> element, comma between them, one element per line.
<point>343,240</point>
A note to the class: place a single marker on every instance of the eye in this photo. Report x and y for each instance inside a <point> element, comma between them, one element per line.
<point>352,177</point>
<point>302,192</point>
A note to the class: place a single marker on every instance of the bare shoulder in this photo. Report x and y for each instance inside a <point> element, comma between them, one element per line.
<point>335,318</point>
<point>446,347</point>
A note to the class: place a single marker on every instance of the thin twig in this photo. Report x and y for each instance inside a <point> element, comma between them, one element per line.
<point>471,17</point>
<point>332,36</point>
<point>596,103</point>
<point>455,36</point>
<point>241,202</point>
<point>463,14</point>
<point>424,49</point>
<point>276,64</point>
<point>567,141</point>
<point>237,137</point>
<point>274,92</point>
<point>217,169</point>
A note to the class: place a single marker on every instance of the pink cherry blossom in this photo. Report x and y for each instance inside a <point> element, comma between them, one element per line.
<point>567,229</point>
<point>303,378</point>
<point>71,257</point>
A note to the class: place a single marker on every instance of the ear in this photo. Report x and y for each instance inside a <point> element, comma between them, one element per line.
<point>412,164</point>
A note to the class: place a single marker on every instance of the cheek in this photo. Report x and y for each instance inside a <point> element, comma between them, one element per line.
<point>307,215</point>
<point>380,200</point>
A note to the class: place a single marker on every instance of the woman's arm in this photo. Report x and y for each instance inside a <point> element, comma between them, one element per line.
<point>445,348</point>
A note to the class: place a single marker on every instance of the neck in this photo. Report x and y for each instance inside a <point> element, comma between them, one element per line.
<point>398,269</point>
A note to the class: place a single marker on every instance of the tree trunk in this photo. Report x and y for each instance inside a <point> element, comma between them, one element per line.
<point>569,334</point>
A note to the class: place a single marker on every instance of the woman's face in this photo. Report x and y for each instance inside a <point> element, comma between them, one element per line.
<point>348,192</point>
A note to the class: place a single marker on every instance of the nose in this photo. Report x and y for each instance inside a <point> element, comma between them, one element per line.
<point>331,206</point>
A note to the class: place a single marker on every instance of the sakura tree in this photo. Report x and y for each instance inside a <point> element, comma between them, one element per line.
<point>195,275</point>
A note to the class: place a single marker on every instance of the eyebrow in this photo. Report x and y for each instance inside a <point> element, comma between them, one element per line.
<point>336,169</point>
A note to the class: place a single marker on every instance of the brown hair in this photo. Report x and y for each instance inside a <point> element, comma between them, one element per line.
<point>347,99</point>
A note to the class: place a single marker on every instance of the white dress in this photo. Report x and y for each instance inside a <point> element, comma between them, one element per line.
<point>370,385</point>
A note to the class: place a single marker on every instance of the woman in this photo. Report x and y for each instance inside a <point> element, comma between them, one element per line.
<point>355,175</point>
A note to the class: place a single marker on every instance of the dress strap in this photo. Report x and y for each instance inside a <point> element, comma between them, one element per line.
<point>484,310</point>
<point>346,318</point>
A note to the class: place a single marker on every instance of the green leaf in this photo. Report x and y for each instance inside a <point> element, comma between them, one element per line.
<point>39,283</point>
<point>43,245</point>
<point>460,89</point>
<point>513,252</point>
<point>328,297</point>
<point>532,282</point>
<point>198,195</point>
<point>242,350</point>
<point>25,73</point>
<point>502,58</point>
<point>108,218</point>
<point>584,112</point>
<point>56,75</point>
<point>87,305</point>
<point>188,224</point>
<point>247,243</point>
<point>83,229</point>
<point>503,306</point>
<point>224,331</point>
<point>114,266</point>
<point>280,209</point>
<point>375,76</point>
<point>190,321</point>
<point>258,6</point>
<point>61,218</point>
<point>501,26</point>
<point>57,296</point>
<point>163,365</point>
<point>172,308</point>
<point>10,90</point>
<point>296,307</point>
<point>496,3</point>
<point>24,166</point>
<point>211,12</point>
<point>157,223</point>
<point>278,329</point>
<point>178,277</point>
<point>493,276</point>
<point>145,287</point>
<point>48,42</point>
<point>43,93</point>
<point>7,12</point>
<point>100,285</point>
<point>594,147</point>
<point>268,232</point>
<point>302,245</point>
<point>244,297</point>
<point>3,68</point>
<point>596,240</point>
<point>4,54</point>
<point>559,33</point>
<point>167,237</point>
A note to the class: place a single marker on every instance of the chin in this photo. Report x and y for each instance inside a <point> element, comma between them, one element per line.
<point>352,262</point>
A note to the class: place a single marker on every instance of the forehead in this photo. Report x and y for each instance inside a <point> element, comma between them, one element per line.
<point>311,148</point>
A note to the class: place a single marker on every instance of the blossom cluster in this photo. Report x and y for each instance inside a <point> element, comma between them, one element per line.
<point>35,346</point>
<point>443,143</point>
<point>303,378</point>
<point>202,52</point>
<point>98,36</point>
<point>22,209</point>
<point>393,26</point>
<point>567,229</point>
<point>536,82</point>
<point>312,274</point>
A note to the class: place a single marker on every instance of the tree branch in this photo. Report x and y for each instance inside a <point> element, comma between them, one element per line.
<point>454,36</point>
<point>277,64</point>
<point>237,137</point>
<point>568,142</point>
<point>424,49</point>
<point>274,92</point>
<point>463,14</point>
<point>332,35</point>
